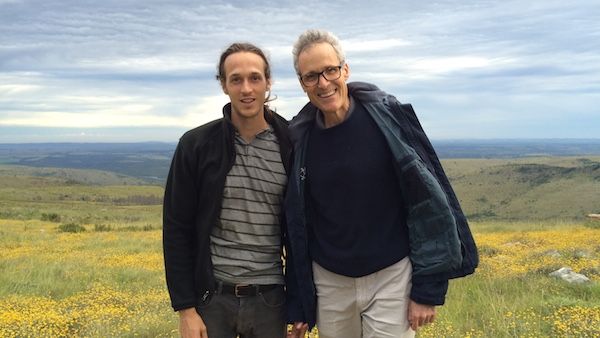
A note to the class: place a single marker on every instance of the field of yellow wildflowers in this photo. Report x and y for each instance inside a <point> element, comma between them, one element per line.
<point>101,284</point>
<point>93,284</point>
<point>108,281</point>
<point>511,294</point>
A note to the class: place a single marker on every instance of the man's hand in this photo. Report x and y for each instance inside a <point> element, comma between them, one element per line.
<point>298,330</point>
<point>191,324</point>
<point>420,314</point>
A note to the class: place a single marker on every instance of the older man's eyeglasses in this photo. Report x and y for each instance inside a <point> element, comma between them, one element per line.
<point>330,74</point>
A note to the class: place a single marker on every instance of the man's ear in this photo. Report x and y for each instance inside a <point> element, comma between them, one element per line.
<point>346,71</point>
<point>224,88</point>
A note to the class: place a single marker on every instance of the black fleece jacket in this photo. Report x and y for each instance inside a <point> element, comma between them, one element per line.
<point>192,203</point>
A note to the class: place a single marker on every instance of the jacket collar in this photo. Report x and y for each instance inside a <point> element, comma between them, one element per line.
<point>278,123</point>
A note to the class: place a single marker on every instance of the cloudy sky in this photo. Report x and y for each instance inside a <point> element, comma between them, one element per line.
<point>119,70</point>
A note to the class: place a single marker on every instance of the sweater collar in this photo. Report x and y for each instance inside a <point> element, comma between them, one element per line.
<point>360,91</point>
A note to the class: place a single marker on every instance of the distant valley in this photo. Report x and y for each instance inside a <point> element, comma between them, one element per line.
<point>146,161</point>
<point>150,161</point>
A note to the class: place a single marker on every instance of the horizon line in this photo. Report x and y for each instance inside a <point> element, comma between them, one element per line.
<point>566,139</point>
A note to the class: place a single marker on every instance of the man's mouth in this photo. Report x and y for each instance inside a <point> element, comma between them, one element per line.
<point>247,100</point>
<point>326,94</point>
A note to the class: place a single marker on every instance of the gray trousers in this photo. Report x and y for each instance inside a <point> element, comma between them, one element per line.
<point>260,316</point>
<point>372,306</point>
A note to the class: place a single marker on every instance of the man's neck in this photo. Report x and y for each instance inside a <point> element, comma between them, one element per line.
<point>248,128</point>
<point>332,119</point>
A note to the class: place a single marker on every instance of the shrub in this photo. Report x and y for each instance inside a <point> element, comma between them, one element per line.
<point>71,227</point>
<point>139,200</point>
<point>147,227</point>
<point>51,217</point>
<point>592,223</point>
<point>102,227</point>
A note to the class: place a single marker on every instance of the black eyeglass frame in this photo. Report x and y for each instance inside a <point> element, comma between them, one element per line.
<point>339,67</point>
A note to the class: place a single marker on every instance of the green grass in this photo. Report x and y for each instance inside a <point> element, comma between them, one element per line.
<point>492,306</point>
<point>26,197</point>
<point>109,280</point>
<point>491,226</point>
<point>69,176</point>
<point>117,273</point>
<point>123,269</point>
<point>539,188</point>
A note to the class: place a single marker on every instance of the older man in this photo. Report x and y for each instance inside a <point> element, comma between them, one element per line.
<point>375,229</point>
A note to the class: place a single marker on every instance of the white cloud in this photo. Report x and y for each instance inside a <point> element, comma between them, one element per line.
<point>127,115</point>
<point>114,63</point>
<point>16,89</point>
<point>449,64</point>
<point>148,64</point>
<point>359,45</point>
<point>208,108</point>
<point>288,107</point>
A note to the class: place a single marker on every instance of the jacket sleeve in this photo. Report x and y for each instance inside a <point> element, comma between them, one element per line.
<point>425,150</point>
<point>295,311</point>
<point>179,213</point>
<point>293,301</point>
<point>429,293</point>
<point>434,244</point>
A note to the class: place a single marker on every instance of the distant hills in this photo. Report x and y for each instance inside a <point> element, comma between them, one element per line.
<point>146,161</point>
<point>150,161</point>
<point>513,148</point>
<point>541,188</point>
<point>68,176</point>
<point>493,181</point>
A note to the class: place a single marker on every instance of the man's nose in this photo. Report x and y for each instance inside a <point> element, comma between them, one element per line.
<point>246,86</point>
<point>325,81</point>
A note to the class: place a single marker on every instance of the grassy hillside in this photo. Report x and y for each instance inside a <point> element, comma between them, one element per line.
<point>537,188</point>
<point>78,196</point>
<point>529,188</point>
<point>69,176</point>
<point>111,283</point>
<point>85,260</point>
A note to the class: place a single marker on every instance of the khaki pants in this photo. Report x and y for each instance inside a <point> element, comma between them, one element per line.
<point>372,306</point>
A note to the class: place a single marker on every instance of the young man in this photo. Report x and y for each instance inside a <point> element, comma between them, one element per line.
<point>375,229</point>
<point>222,209</point>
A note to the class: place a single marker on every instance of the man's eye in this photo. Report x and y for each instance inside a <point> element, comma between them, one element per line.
<point>331,70</point>
<point>310,77</point>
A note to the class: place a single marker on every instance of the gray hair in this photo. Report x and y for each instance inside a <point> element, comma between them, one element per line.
<point>313,36</point>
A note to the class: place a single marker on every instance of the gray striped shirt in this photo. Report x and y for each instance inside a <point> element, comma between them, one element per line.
<point>246,242</point>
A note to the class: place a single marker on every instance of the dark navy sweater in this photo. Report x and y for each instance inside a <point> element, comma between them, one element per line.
<point>356,217</point>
